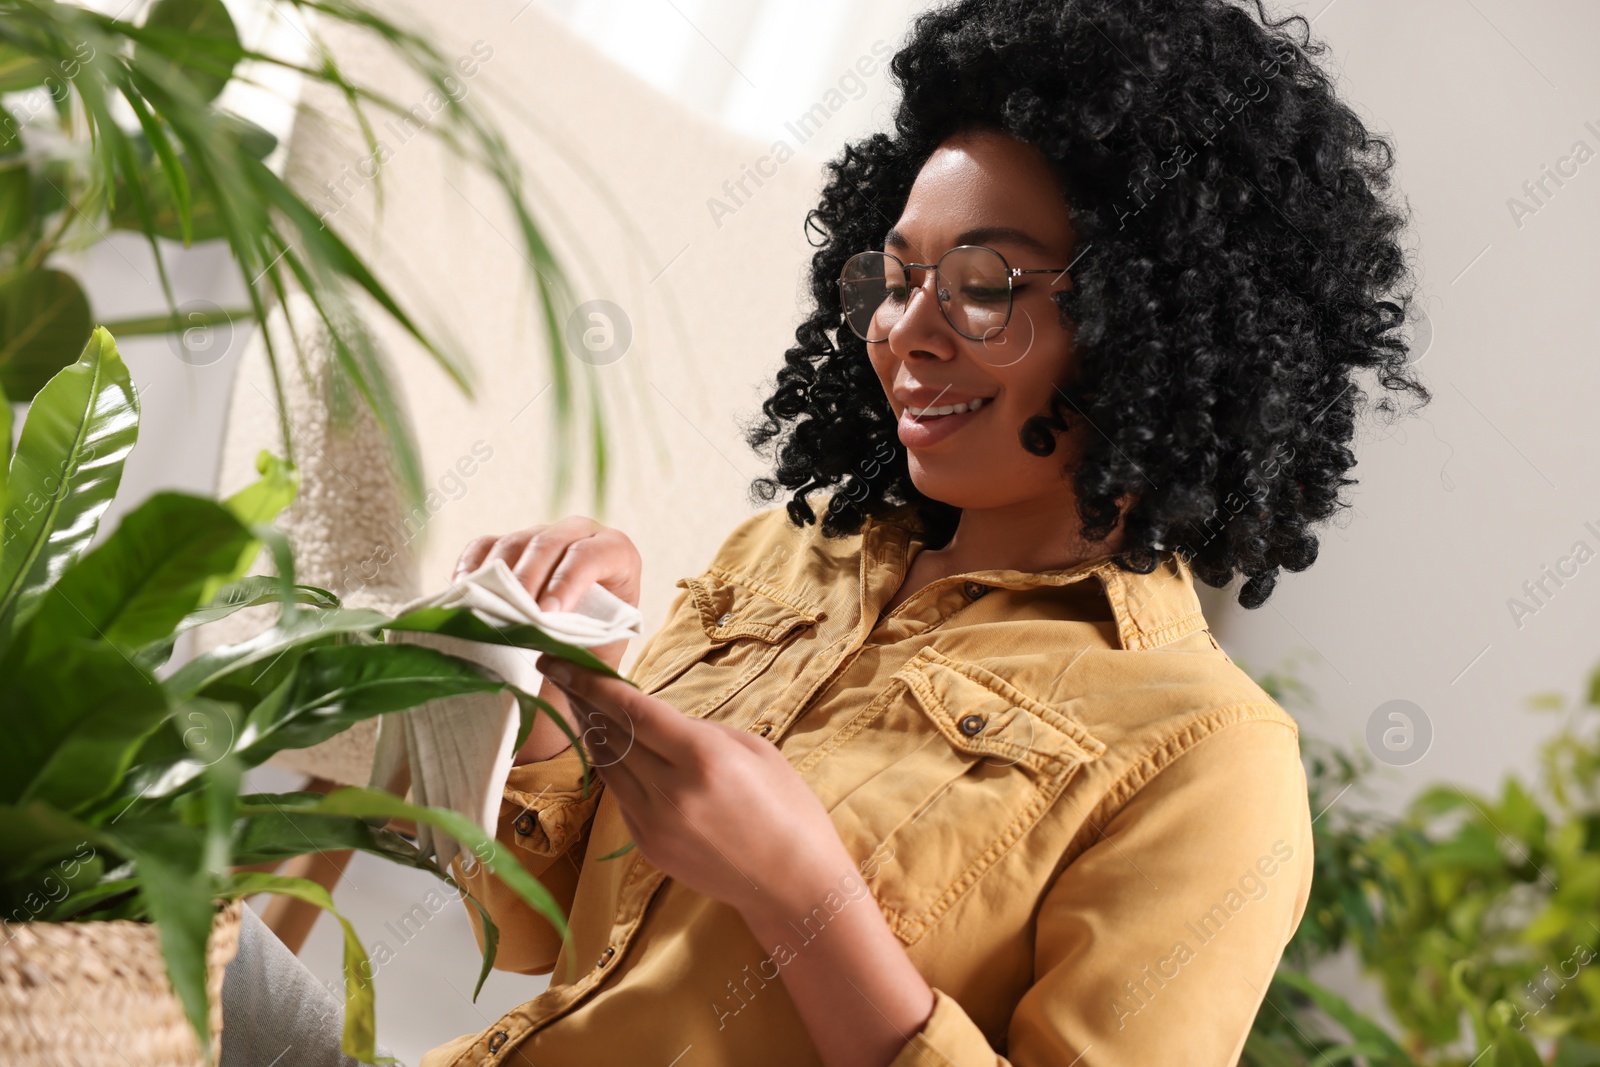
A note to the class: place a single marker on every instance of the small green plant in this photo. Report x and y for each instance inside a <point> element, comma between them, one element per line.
<point>120,778</point>
<point>1478,916</point>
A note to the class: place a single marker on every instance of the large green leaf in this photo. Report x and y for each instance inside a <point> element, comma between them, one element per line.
<point>254,591</point>
<point>270,831</point>
<point>132,590</point>
<point>273,827</point>
<point>375,804</point>
<point>463,623</point>
<point>328,690</point>
<point>360,1023</point>
<point>1363,1029</point>
<point>263,499</point>
<point>145,578</point>
<point>166,206</point>
<point>16,201</point>
<point>91,901</point>
<point>198,37</point>
<point>301,630</point>
<point>177,892</point>
<point>258,141</point>
<point>20,70</point>
<point>340,685</point>
<point>256,505</point>
<point>34,836</point>
<point>44,320</point>
<point>82,688</point>
<point>5,459</point>
<point>16,183</point>
<point>1512,1048</point>
<point>65,472</point>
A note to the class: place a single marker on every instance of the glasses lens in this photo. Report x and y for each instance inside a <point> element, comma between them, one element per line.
<point>872,288</point>
<point>975,288</point>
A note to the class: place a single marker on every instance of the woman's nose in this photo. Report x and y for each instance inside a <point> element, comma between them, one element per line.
<point>923,329</point>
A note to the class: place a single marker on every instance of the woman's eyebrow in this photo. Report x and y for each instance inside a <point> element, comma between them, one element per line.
<point>980,235</point>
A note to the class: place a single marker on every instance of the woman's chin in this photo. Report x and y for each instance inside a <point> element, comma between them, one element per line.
<point>960,485</point>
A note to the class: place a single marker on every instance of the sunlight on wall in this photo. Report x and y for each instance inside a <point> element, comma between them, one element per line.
<point>754,65</point>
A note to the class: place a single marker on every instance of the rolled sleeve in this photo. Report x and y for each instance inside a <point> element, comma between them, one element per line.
<point>948,1039</point>
<point>544,821</point>
<point>1156,944</point>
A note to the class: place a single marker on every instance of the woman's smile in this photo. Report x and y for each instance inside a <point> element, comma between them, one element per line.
<point>925,427</point>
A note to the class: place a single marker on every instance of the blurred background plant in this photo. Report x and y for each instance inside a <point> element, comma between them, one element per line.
<point>1477,916</point>
<point>113,124</point>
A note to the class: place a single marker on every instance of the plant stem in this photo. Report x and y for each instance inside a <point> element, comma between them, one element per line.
<point>156,325</point>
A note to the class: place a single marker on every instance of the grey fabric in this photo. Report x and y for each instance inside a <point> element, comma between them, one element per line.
<point>274,1011</point>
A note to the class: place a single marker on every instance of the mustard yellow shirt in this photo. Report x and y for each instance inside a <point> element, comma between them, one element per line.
<point>1088,827</point>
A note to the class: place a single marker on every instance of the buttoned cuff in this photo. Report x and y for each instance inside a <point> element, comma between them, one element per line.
<point>544,804</point>
<point>948,1039</point>
<point>544,816</point>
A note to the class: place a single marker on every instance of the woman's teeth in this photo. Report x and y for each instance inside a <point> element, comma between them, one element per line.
<point>948,409</point>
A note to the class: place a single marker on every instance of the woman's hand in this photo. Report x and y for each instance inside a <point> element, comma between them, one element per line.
<point>723,812</point>
<point>556,564</point>
<point>720,810</point>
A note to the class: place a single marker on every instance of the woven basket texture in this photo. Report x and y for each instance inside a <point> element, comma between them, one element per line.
<point>96,994</point>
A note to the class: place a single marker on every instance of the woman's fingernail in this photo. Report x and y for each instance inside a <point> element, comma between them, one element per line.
<point>550,603</point>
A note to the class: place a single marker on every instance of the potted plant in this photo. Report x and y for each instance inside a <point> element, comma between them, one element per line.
<point>123,830</point>
<point>114,124</point>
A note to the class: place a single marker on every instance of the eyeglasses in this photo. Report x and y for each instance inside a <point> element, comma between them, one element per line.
<point>974,289</point>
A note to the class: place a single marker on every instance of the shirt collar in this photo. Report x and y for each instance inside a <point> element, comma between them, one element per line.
<point>1150,609</point>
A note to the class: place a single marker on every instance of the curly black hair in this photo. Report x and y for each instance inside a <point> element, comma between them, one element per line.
<point>1239,264</point>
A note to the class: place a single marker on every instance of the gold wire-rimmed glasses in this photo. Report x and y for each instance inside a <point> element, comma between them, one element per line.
<point>974,287</point>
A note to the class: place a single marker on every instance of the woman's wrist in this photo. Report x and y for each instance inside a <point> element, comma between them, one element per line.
<point>839,932</point>
<point>547,740</point>
<point>790,897</point>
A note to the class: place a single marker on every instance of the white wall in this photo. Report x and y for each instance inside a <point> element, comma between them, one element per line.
<point>1498,477</point>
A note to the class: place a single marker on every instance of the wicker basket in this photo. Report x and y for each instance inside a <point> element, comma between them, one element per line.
<point>96,994</point>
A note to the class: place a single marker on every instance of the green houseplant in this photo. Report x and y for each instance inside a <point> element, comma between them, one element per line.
<point>1477,916</point>
<point>113,124</point>
<point>120,778</point>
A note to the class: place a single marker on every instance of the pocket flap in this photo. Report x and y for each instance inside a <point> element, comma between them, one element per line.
<point>731,607</point>
<point>981,713</point>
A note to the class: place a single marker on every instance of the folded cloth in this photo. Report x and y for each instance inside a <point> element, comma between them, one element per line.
<point>456,752</point>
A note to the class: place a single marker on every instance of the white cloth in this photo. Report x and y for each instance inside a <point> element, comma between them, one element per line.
<point>455,753</point>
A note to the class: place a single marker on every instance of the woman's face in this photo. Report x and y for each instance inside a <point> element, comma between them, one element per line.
<point>984,188</point>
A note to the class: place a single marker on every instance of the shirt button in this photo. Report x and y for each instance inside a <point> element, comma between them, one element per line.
<point>605,957</point>
<point>766,729</point>
<point>523,825</point>
<point>726,619</point>
<point>972,725</point>
<point>974,590</point>
<point>497,1040</point>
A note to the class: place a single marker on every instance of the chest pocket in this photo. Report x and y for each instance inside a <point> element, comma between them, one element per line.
<point>938,777</point>
<point>724,633</point>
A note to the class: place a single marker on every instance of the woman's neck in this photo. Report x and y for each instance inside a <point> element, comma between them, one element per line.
<point>1028,536</point>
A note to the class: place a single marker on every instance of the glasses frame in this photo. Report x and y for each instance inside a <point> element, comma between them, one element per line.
<point>933,268</point>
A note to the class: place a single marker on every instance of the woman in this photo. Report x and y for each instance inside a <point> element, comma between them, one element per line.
<point>939,761</point>
<point>958,769</point>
